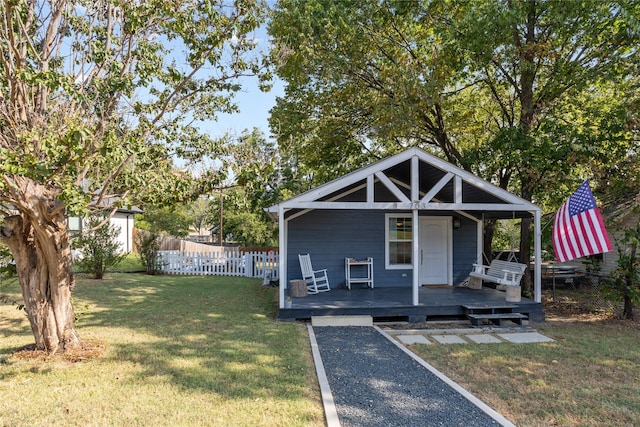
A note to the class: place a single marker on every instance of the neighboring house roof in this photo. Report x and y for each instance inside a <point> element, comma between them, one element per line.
<point>130,210</point>
<point>109,202</point>
<point>617,214</point>
<point>415,179</point>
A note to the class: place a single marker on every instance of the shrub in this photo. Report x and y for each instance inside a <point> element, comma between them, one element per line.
<point>98,246</point>
<point>148,243</point>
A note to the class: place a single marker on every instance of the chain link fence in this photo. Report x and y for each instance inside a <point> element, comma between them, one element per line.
<point>588,294</point>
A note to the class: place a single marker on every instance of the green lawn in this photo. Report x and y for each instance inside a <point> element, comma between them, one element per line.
<point>590,375</point>
<point>187,351</point>
<point>179,351</point>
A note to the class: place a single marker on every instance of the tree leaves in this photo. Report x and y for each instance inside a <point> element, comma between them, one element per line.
<point>493,86</point>
<point>121,88</point>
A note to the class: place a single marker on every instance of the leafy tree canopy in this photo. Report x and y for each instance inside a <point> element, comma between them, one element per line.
<point>171,221</point>
<point>97,97</point>
<point>528,94</point>
<point>493,86</point>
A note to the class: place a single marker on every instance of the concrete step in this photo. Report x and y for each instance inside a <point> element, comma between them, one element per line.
<point>341,321</point>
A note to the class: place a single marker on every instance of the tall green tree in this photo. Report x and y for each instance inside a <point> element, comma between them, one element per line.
<point>539,60</point>
<point>254,163</point>
<point>492,86</point>
<point>201,214</point>
<point>96,98</point>
<point>364,79</point>
<point>626,276</point>
<point>166,220</point>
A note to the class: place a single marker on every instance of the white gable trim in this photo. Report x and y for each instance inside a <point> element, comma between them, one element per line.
<point>309,199</point>
<point>432,193</point>
<point>392,187</point>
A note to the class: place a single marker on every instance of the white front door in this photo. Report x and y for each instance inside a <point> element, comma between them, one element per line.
<point>435,251</point>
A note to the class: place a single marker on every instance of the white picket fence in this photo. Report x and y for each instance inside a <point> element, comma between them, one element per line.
<point>226,263</point>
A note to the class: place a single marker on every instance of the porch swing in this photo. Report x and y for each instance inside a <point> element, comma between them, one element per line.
<point>499,271</point>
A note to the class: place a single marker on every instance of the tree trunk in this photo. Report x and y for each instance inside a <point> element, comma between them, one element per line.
<point>528,111</point>
<point>627,311</point>
<point>487,239</point>
<point>525,239</point>
<point>525,255</point>
<point>39,242</point>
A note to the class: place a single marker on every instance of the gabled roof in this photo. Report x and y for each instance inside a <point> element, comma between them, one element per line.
<point>412,179</point>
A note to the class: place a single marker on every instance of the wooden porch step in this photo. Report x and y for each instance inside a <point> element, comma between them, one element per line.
<point>501,308</point>
<point>496,318</point>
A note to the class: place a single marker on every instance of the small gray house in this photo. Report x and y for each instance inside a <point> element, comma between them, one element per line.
<point>418,218</point>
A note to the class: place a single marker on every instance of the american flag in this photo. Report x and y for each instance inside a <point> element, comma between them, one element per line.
<point>578,229</point>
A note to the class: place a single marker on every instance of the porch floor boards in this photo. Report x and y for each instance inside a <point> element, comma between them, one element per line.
<point>396,303</point>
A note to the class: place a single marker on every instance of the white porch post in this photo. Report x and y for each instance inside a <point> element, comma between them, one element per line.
<point>415,257</point>
<point>415,232</point>
<point>480,241</point>
<point>537,275</point>
<point>283,254</point>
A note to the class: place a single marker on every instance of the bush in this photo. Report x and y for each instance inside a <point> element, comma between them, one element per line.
<point>7,264</point>
<point>148,244</point>
<point>99,247</point>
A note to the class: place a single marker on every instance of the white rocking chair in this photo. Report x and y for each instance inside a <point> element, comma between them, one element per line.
<point>317,280</point>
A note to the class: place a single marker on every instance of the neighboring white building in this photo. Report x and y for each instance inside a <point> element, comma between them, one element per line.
<point>123,218</point>
<point>619,218</point>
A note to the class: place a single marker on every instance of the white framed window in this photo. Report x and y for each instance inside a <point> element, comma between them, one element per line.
<point>398,241</point>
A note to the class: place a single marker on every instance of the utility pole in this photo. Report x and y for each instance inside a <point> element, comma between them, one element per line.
<point>221,208</point>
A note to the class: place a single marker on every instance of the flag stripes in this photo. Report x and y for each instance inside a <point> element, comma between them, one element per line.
<point>578,228</point>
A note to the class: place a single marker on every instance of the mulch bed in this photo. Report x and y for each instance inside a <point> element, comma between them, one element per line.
<point>90,349</point>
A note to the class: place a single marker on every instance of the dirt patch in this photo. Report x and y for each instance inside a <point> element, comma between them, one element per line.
<point>432,324</point>
<point>573,306</point>
<point>565,306</point>
<point>578,307</point>
<point>90,349</point>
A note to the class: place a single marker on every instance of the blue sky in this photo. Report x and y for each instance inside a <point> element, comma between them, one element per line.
<point>254,110</point>
<point>254,104</point>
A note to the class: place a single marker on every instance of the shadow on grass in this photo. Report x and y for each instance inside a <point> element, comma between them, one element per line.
<point>15,322</point>
<point>204,333</point>
<point>14,325</point>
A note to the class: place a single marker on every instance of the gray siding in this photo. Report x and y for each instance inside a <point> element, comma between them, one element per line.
<point>331,235</point>
<point>464,250</point>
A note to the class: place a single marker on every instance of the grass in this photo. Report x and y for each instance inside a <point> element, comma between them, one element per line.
<point>130,264</point>
<point>590,375</point>
<point>176,351</point>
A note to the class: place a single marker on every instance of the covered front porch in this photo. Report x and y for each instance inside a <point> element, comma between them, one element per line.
<point>394,303</point>
<point>415,220</point>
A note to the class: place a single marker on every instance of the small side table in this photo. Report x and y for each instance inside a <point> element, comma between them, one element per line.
<point>358,271</point>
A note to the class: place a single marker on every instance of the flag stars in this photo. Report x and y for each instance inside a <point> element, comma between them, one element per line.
<point>582,200</point>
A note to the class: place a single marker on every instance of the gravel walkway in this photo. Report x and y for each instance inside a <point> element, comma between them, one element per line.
<point>375,383</point>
